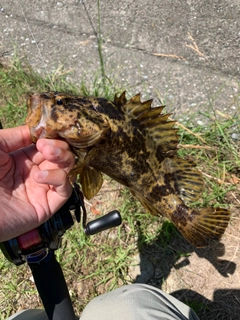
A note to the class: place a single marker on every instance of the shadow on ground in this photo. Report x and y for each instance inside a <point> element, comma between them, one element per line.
<point>170,251</point>
<point>225,303</point>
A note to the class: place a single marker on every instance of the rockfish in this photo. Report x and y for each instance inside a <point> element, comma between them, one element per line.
<point>136,145</point>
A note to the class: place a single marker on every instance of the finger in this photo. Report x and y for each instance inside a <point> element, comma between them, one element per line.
<point>31,153</point>
<point>56,178</point>
<point>57,152</point>
<point>52,142</point>
<point>14,138</point>
<point>61,158</point>
<point>60,190</point>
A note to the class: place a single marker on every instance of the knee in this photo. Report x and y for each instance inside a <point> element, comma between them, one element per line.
<point>127,302</point>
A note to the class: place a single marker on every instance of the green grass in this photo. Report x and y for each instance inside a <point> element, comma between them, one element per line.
<point>216,154</point>
<point>100,263</point>
<point>18,79</point>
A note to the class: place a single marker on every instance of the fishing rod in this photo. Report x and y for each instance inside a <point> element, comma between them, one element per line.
<point>37,247</point>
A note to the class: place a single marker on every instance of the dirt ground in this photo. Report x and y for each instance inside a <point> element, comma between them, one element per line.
<point>207,279</point>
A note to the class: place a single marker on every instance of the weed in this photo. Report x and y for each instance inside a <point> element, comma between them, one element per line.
<point>216,154</point>
<point>102,261</point>
<point>98,35</point>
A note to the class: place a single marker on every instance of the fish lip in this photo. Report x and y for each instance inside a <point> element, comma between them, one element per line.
<point>41,132</point>
<point>37,134</point>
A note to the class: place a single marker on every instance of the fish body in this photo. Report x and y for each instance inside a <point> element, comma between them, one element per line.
<point>136,145</point>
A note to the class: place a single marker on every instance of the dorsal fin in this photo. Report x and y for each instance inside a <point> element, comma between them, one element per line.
<point>135,107</point>
<point>155,123</point>
<point>121,100</point>
<point>188,181</point>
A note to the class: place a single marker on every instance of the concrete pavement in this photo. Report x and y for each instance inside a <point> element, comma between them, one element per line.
<point>186,52</point>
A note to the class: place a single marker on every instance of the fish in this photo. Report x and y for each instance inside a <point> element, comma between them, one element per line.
<point>135,144</point>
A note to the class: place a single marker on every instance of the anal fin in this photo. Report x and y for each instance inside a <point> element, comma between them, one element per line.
<point>146,204</point>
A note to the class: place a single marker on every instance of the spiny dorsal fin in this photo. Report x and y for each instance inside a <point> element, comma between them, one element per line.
<point>121,100</point>
<point>135,107</point>
<point>156,124</point>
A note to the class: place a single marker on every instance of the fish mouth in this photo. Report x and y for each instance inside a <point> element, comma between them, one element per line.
<point>37,133</point>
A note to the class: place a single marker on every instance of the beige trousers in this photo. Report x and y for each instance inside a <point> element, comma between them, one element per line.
<point>131,302</point>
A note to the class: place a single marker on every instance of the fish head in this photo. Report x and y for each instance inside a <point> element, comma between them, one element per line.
<point>73,118</point>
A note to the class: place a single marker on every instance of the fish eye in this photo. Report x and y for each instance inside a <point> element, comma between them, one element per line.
<point>59,102</point>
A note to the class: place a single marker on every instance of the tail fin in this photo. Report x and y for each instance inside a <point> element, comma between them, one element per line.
<point>205,224</point>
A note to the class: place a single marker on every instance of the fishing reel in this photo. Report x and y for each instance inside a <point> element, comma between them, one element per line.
<point>34,246</point>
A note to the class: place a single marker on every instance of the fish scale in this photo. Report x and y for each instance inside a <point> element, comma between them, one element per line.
<point>136,145</point>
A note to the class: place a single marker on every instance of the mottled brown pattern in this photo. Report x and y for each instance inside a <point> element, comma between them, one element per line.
<point>136,145</point>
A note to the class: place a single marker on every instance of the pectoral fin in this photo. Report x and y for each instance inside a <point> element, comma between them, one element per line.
<point>91,181</point>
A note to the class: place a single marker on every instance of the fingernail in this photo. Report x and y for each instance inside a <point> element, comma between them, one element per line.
<point>56,151</point>
<point>42,174</point>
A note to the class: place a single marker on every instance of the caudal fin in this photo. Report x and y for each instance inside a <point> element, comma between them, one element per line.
<point>205,224</point>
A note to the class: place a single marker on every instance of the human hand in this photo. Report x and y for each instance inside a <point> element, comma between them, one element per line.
<point>33,180</point>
